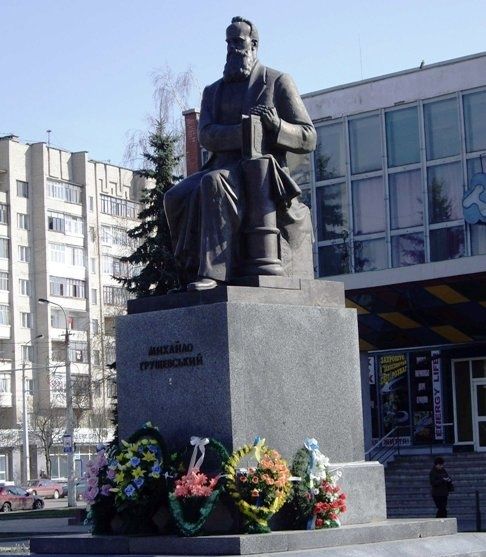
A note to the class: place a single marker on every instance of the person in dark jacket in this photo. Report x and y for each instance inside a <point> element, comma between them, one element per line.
<point>441,486</point>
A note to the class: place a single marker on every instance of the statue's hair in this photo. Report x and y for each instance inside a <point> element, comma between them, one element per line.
<point>253,29</point>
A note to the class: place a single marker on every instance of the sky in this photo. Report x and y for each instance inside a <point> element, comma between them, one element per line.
<point>84,69</point>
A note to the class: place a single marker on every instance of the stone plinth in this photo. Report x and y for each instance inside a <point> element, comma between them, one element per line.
<point>237,362</point>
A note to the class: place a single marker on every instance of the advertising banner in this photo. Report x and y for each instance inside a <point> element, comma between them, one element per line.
<point>394,392</point>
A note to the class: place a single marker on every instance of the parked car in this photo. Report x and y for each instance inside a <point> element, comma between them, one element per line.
<point>45,488</point>
<point>13,498</point>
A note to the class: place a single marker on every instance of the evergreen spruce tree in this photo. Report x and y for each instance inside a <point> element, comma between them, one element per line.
<point>154,253</point>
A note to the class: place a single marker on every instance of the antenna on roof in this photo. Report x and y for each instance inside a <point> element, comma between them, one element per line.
<point>48,137</point>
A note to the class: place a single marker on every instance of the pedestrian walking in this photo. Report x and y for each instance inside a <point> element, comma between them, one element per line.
<point>442,485</point>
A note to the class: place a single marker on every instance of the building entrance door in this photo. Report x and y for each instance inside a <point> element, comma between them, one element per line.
<point>479,405</point>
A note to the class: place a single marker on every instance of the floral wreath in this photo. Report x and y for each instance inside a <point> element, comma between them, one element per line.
<point>317,500</point>
<point>270,480</point>
<point>137,470</point>
<point>194,489</point>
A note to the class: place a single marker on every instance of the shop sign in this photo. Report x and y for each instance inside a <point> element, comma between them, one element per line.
<point>437,395</point>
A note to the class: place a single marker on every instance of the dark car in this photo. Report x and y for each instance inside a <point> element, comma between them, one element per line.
<point>45,488</point>
<point>81,486</point>
<point>13,498</point>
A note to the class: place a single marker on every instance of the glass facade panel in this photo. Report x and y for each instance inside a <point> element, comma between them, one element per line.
<point>474,167</point>
<point>368,205</point>
<point>478,239</point>
<point>462,385</point>
<point>445,188</point>
<point>475,121</point>
<point>408,250</point>
<point>406,204</point>
<point>441,129</point>
<point>447,243</point>
<point>332,211</point>
<point>365,144</point>
<point>370,255</point>
<point>334,260</point>
<point>402,136</point>
<point>330,154</point>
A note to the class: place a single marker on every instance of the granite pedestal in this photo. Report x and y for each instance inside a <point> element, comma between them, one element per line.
<point>280,361</point>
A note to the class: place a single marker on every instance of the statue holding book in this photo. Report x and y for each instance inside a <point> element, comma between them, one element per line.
<point>240,214</point>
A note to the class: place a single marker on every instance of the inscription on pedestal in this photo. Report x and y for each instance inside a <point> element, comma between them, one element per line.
<point>175,360</point>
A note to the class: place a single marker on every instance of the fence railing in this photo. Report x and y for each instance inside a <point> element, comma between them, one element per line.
<point>401,437</point>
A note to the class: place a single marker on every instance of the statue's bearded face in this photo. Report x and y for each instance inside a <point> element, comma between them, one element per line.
<point>241,52</point>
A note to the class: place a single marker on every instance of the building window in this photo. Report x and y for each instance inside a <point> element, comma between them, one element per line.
<point>407,249</point>
<point>330,153</point>
<point>118,207</point>
<point>92,265</point>
<point>4,251</point>
<point>365,144</point>
<point>95,326</point>
<point>3,213</point>
<point>4,281</point>
<point>75,256</point>
<point>55,221</point>
<point>402,136</point>
<point>91,203</point>
<point>368,205</point>
<point>445,190</point>
<point>4,315</point>
<point>334,260</point>
<point>447,243</point>
<point>57,252</point>
<point>22,189</point>
<point>114,296</point>
<point>24,254</point>
<point>66,224</point>
<point>22,221</point>
<point>441,129</point>
<point>332,211</point>
<point>24,287</point>
<point>406,203</point>
<point>94,296</point>
<point>5,383</point>
<point>370,255</point>
<point>26,319</point>
<point>74,225</point>
<point>26,353</point>
<point>67,287</point>
<point>475,121</point>
<point>64,191</point>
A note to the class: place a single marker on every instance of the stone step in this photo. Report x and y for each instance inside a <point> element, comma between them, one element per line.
<point>361,538</point>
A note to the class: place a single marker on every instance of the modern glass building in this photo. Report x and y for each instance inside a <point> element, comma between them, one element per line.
<point>399,207</point>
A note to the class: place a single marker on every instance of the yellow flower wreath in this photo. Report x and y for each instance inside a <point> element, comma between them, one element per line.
<point>257,516</point>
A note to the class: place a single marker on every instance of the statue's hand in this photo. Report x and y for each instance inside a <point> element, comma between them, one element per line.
<point>268,115</point>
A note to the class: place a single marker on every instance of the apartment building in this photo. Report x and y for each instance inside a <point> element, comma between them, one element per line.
<point>63,226</point>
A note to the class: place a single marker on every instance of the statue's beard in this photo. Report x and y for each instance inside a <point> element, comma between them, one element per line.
<point>239,65</point>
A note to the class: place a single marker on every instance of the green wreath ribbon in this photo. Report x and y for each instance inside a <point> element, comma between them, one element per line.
<point>257,515</point>
<point>207,504</point>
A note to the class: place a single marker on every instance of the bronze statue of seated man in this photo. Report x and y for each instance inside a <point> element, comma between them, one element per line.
<point>228,219</point>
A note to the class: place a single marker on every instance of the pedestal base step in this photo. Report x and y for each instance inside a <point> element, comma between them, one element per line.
<point>423,537</point>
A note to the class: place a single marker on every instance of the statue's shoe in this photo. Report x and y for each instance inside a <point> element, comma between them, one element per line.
<point>202,284</point>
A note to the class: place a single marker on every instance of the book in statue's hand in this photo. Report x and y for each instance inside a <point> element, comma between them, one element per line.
<point>252,136</point>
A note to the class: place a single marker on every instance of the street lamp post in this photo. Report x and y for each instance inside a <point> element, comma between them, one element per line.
<point>69,410</point>
<point>25,473</point>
